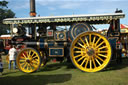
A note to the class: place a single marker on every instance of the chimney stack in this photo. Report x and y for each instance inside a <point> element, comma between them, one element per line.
<point>32,8</point>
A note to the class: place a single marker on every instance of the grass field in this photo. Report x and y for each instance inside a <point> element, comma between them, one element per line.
<point>67,74</point>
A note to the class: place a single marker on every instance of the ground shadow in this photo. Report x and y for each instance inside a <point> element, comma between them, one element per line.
<point>9,72</point>
<point>115,66</point>
<point>55,66</point>
<point>112,66</point>
<point>29,79</point>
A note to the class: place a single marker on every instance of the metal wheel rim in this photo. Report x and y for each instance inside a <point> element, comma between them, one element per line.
<point>90,52</point>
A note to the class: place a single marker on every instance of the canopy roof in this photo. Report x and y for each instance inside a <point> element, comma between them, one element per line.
<point>91,18</point>
<point>123,26</point>
<point>5,37</point>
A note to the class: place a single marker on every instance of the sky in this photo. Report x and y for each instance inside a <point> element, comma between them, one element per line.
<point>69,7</point>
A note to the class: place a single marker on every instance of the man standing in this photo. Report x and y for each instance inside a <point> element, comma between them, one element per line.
<point>12,57</point>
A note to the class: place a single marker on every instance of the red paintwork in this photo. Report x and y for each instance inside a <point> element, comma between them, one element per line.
<point>122,26</point>
<point>7,41</point>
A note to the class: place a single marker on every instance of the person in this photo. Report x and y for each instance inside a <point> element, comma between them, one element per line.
<point>12,57</point>
<point>119,52</point>
<point>1,46</point>
<point>1,65</point>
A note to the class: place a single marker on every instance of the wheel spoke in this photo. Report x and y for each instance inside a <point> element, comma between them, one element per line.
<point>100,44</point>
<point>90,64</point>
<point>77,47</point>
<point>81,58</point>
<point>93,40</point>
<point>102,51</point>
<point>22,63</point>
<point>79,52</point>
<point>81,45</point>
<point>86,41</point>
<point>98,62</point>
<point>32,54</point>
<point>29,67</point>
<point>94,62</point>
<point>83,61</point>
<point>86,63</point>
<point>102,47</point>
<point>90,39</point>
<point>97,41</point>
<point>32,65</point>
<point>25,65</point>
<point>34,57</point>
<point>77,56</point>
<point>82,41</point>
<point>99,58</point>
<point>102,55</point>
<point>29,53</point>
<point>22,60</point>
<point>34,62</point>
<point>24,55</point>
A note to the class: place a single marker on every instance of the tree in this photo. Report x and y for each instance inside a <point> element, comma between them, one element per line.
<point>5,13</point>
<point>3,3</point>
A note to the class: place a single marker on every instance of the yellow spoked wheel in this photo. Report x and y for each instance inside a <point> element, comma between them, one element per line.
<point>43,58</point>
<point>28,60</point>
<point>90,52</point>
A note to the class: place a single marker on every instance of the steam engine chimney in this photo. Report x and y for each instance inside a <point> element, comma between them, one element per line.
<point>32,8</point>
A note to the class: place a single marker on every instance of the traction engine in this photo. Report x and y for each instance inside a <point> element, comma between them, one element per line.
<point>62,37</point>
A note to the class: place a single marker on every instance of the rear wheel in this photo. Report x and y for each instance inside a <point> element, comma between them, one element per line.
<point>78,28</point>
<point>43,58</point>
<point>90,52</point>
<point>28,60</point>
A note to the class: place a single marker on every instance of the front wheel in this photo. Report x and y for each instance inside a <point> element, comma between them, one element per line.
<point>28,60</point>
<point>90,52</point>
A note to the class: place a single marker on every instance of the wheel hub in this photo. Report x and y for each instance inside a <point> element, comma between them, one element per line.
<point>28,61</point>
<point>90,51</point>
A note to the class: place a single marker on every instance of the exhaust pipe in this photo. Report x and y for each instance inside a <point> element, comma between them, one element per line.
<point>33,14</point>
<point>32,8</point>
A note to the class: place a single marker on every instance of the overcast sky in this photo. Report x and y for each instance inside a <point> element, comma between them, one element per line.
<point>69,7</point>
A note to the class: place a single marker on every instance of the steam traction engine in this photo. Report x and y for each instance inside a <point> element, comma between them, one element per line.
<point>42,38</point>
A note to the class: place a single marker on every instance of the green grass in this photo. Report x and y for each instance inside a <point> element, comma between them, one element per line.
<point>67,74</point>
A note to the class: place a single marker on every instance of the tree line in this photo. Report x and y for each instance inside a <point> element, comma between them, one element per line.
<point>5,12</point>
